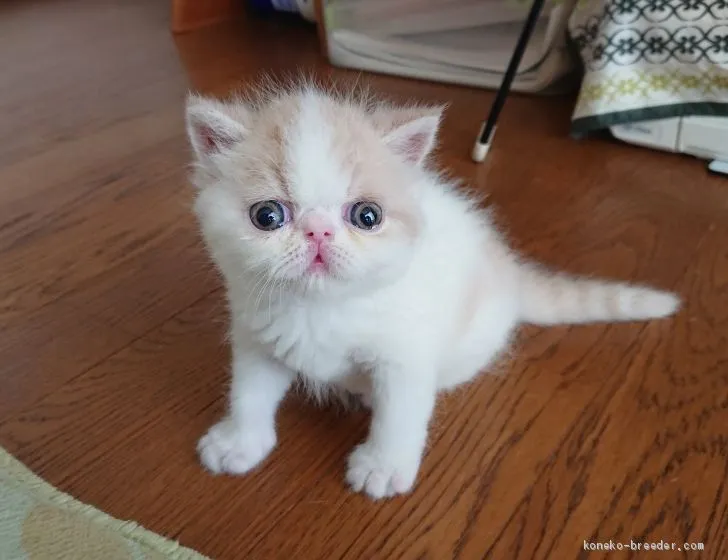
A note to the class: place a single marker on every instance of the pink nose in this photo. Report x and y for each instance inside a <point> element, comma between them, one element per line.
<point>317,227</point>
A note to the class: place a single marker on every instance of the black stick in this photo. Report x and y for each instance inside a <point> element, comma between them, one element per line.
<point>510,74</point>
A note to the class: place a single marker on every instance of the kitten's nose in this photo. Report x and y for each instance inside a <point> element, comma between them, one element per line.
<point>318,227</point>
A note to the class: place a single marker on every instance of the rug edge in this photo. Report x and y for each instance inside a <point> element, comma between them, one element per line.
<point>130,529</point>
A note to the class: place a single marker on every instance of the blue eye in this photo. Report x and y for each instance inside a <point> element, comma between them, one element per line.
<point>269,215</point>
<point>365,215</point>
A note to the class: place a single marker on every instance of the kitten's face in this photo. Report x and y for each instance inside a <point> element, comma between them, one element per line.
<point>308,193</point>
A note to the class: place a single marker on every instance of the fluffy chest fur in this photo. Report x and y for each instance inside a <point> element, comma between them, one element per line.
<point>320,341</point>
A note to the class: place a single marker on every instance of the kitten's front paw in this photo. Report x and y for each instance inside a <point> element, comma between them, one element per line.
<point>381,475</point>
<point>226,448</point>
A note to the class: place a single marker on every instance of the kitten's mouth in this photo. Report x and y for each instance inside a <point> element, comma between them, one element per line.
<point>318,265</point>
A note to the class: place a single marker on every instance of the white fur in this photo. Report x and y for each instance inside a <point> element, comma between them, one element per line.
<point>420,306</point>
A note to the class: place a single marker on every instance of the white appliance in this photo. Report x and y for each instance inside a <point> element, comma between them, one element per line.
<point>702,137</point>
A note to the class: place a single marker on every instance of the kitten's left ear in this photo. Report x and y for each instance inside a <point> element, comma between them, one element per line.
<point>410,133</point>
<point>214,126</point>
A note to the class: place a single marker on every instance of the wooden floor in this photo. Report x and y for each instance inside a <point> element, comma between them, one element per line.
<point>112,353</point>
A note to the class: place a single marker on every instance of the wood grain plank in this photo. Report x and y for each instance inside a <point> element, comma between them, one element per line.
<point>42,349</point>
<point>51,53</point>
<point>188,15</point>
<point>113,324</point>
<point>116,230</point>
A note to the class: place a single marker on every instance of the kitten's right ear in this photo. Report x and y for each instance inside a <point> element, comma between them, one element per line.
<point>213,126</point>
<point>409,132</point>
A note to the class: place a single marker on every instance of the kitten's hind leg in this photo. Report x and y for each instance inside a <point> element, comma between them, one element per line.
<point>247,435</point>
<point>486,339</point>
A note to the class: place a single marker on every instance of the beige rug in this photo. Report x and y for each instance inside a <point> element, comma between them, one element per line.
<point>38,522</point>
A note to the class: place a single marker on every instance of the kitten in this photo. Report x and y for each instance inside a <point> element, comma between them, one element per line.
<point>341,254</point>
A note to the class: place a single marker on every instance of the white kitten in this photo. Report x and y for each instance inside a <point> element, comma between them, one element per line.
<point>348,263</point>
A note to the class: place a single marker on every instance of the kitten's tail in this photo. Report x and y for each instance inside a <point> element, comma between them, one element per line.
<point>547,299</point>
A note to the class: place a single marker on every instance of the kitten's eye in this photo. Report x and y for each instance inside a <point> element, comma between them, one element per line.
<point>365,215</point>
<point>269,215</point>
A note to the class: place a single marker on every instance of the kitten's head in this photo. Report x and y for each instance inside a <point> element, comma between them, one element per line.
<point>314,192</point>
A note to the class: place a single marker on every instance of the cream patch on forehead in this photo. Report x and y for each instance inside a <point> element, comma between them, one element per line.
<point>320,169</point>
<point>317,151</point>
<point>268,146</point>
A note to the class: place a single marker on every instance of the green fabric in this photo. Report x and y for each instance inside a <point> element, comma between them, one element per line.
<point>38,522</point>
<point>649,59</point>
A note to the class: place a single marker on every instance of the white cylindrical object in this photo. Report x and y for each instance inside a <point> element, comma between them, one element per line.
<point>480,150</point>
